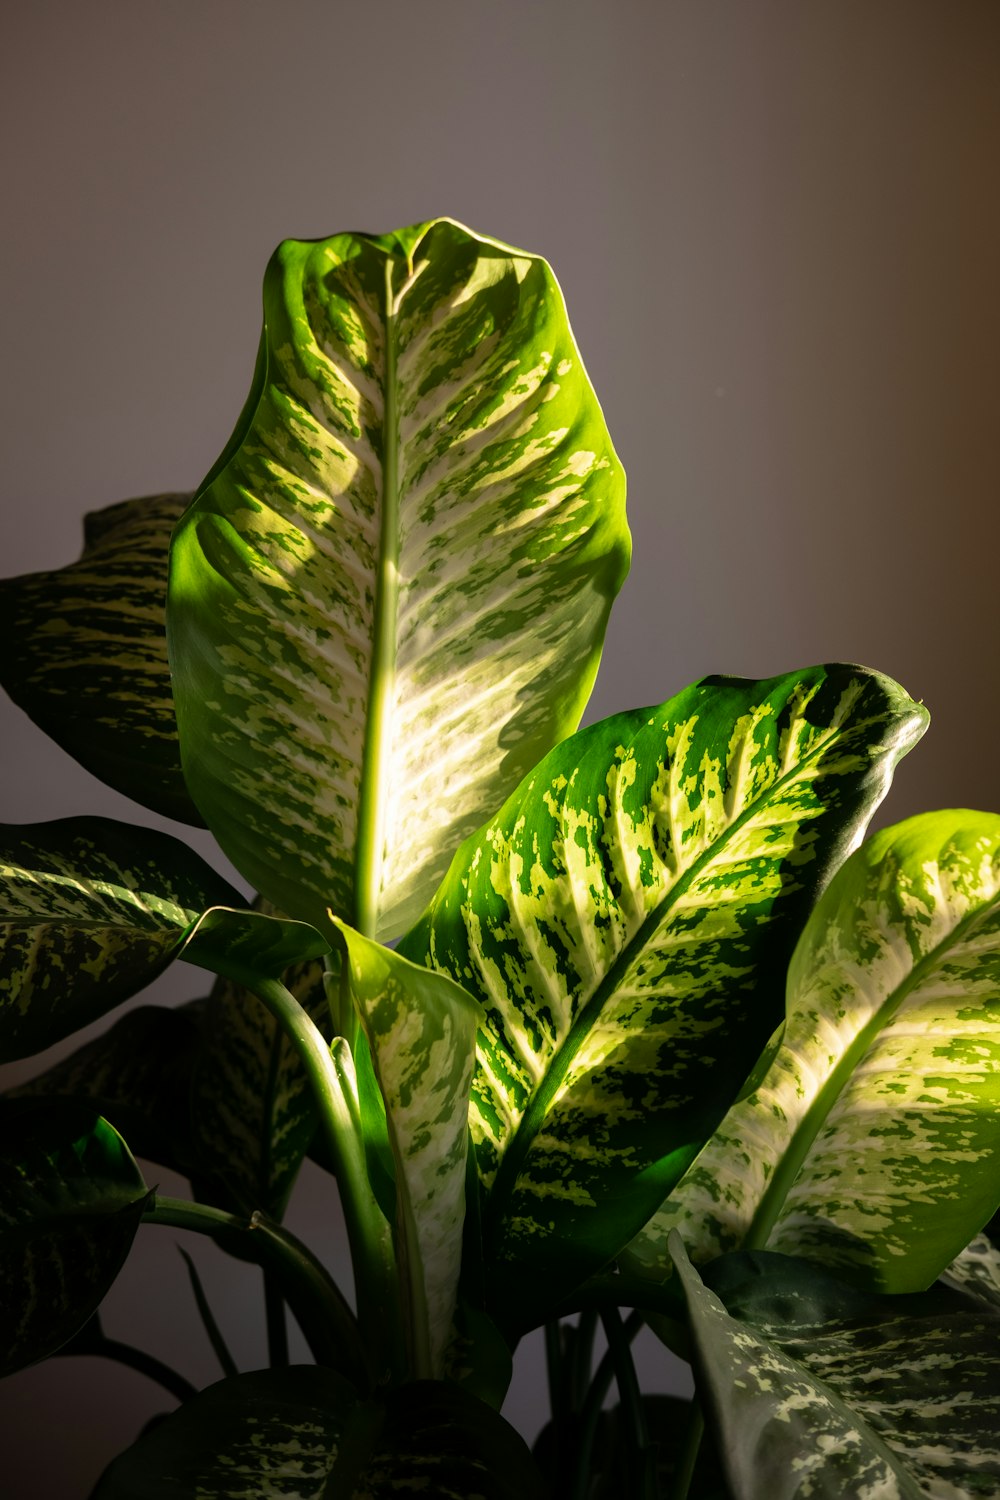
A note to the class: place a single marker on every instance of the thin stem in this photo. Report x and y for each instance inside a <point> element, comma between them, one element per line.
<point>327,1321</point>
<point>689,1455</point>
<point>138,1359</point>
<point>593,1405</point>
<point>642,1478</point>
<point>277,1325</point>
<point>215,1338</point>
<point>330,1069</point>
<point>583,1356</point>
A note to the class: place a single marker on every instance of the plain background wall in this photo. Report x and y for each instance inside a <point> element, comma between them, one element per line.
<point>777,226</point>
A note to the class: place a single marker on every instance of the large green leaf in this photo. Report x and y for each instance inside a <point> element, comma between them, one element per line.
<point>91,910</point>
<point>389,597</point>
<point>817,1392</point>
<point>85,653</point>
<point>304,1434</point>
<point>626,920</point>
<point>71,1198</point>
<point>138,1076</point>
<point>873,1142</point>
<point>421,1029</point>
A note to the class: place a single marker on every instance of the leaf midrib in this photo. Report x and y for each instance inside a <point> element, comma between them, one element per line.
<point>537,1110</point>
<point>786,1173</point>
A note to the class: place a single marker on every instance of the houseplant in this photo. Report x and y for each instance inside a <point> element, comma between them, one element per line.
<point>658,1033</point>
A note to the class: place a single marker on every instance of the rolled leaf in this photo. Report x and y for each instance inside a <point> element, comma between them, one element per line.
<point>816,1392</point>
<point>873,1143</point>
<point>976,1272</point>
<point>71,1198</point>
<point>626,921</point>
<point>303,1433</point>
<point>389,597</point>
<point>91,910</point>
<point>421,1029</point>
<point>138,1076</point>
<point>85,653</point>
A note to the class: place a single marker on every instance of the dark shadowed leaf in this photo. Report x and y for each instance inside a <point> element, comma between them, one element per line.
<point>85,653</point>
<point>71,1198</point>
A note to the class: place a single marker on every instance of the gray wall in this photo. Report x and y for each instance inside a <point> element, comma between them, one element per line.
<point>778,230</point>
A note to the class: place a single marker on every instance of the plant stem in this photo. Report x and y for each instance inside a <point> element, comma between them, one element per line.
<point>277,1325</point>
<point>583,1354</point>
<point>218,1343</point>
<point>146,1364</point>
<point>592,1406</point>
<point>327,1321</point>
<point>554,1369</point>
<point>330,1070</point>
<point>642,1476</point>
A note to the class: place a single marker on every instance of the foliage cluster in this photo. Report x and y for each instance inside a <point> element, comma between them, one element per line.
<point>581,1022</point>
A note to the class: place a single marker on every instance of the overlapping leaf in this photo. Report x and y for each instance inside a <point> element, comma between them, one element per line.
<point>91,910</point>
<point>389,597</point>
<point>815,1391</point>
<point>85,653</point>
<point>71,1198</point>
<point>304,1434</point>
<point>873,1142</point>
<point>626,921</point>
<point>421,1029</point>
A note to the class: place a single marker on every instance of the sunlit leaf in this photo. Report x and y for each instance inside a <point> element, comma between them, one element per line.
<point>873,1142</point>
<point>389,597</point>
<point>626,921</point>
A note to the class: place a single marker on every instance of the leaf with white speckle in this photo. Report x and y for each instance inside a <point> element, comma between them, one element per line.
<point>389,597</point>
<point>872,1144</point>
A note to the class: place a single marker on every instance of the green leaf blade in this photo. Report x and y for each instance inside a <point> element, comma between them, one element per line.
<point>91,910</point>
<point>872,1143</point>
<point>818,1391</point>
<point>71,1198</point>
<point>626,920</point>
<point>85,653</point>
<point>390,599</point>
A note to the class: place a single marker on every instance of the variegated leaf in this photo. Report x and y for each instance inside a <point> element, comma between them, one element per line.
<point>976,1271</point>
<point>873,1142</point>
<point>71,1199</point>
<point>138,1076</point>
<point>626,920</point>
<point>91,910</point>
<point>85,653</point>
<point>304,1434</point>
<point>816,1392</point>
<point>252,1108</point>
<point>389,597</point>
<point>421,1028</point>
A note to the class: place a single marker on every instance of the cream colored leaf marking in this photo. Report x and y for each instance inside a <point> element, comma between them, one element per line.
<point>646,954</point>
<point>884,1091</point>
<point>785,1434</point>
<point>420,532</point>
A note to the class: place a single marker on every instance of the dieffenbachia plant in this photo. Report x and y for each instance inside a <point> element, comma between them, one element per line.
<point>579,1019</point>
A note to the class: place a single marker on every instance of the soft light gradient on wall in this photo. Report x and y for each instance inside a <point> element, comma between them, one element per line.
<point>778,230</point>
